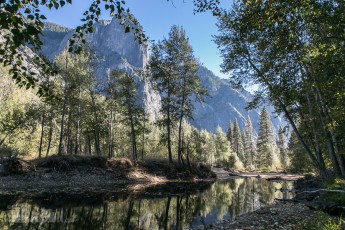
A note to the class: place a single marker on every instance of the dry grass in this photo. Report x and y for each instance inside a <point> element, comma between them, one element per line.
<point>119,163</point>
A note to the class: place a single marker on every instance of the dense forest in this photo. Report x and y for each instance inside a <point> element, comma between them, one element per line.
<point>89,117</point>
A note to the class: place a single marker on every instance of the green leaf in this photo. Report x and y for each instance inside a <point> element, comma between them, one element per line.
<point>31,30</point>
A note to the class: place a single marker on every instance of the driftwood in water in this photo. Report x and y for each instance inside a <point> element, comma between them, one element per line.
<point>274,178</point>
<point>234,174</point>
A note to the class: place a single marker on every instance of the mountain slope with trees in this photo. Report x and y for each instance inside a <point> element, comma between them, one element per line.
<point>118,50</point>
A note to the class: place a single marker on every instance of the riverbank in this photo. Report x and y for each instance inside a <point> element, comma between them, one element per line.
<point>87,174</point>
<point>305,211</point>
<point>223,174</point>
<point>284,216</point>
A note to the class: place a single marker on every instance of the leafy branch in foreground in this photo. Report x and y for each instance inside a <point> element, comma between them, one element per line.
<point>21,24</point>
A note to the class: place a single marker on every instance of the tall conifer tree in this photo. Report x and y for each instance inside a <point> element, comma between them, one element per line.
<point>283,148</point>
<point>173,70</point>
<point>229,133</point>
<point>266,146</point>
<point>250,144</point>
<point>238,141</point>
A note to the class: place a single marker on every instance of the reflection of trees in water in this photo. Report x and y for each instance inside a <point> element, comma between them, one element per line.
<point>225,199</point>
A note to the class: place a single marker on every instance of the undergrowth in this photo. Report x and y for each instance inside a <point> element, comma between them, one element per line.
<point>322,221</point>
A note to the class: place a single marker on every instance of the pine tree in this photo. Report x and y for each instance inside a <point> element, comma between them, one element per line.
<point>283,148</point>
<point>173,70</point>
<point>299,160</point>
<point>238,141</point>
<point>229,133</point>
<point>266,145</point>
<point>225,156</point>
<point>243,138</point>
<point>250,144</point>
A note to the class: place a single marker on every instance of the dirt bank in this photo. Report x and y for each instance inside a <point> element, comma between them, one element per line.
<point>82,174</point>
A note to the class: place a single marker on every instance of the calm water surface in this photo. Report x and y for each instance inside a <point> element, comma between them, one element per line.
<point>183,210</point>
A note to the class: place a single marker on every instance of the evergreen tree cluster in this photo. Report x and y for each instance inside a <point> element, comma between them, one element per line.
<point>261,152</point>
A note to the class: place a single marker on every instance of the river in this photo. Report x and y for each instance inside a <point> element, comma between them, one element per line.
<point>222,200</point>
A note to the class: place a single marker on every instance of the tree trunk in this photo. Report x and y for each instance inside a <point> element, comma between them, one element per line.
<point>68,134</point>
<point>50,131</point>
<point>96,144</point>
<point>169,124</point>
<point>77,134</point>
<point>129,214</point>
<point>105,215</point>
<point>187,155</point>
<point>89,144</point>
<point>314,137</point>
<point>63,113</point>
<point>97,129</point>
<point>169,137</point>
<point>41,138</point>
<point>179,149</point>
<point>143,141</point>
<point>62,123</point>
<point>110,135</point>
<point>340,158</point>
<point>134,143</point>
<point>178,205</point>
<point>167,213</point>
<point>330,147</point>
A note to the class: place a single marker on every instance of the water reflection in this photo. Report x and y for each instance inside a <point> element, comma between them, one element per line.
<point>223,200</point>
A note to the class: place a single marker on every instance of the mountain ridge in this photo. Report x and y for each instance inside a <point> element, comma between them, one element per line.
<point>119,50</point>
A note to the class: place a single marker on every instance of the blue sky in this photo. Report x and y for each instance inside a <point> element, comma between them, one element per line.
<point>157,17</point>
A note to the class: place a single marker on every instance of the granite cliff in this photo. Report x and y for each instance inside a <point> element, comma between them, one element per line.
<point>117,49</point>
